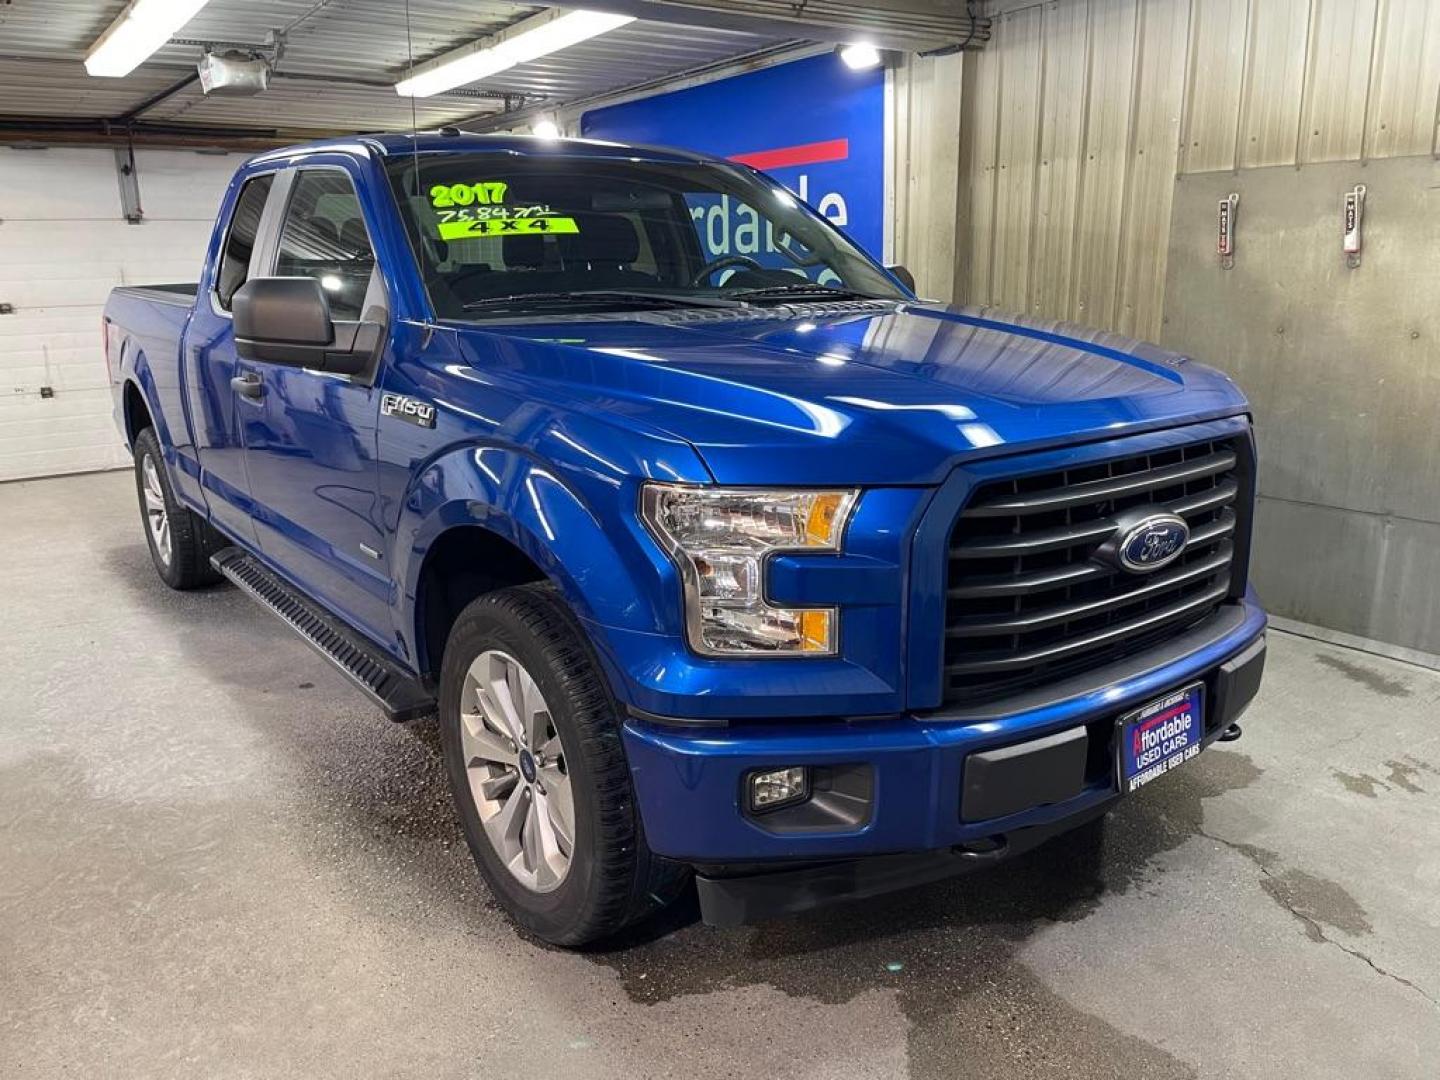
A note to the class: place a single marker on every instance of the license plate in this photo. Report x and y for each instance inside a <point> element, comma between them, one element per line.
<point>1157,737</point>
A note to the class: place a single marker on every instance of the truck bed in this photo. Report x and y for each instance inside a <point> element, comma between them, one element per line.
<point>179,293</point>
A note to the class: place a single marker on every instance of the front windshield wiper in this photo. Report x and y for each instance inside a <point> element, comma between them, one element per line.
<point>805,288</point>
<point>593,297</point>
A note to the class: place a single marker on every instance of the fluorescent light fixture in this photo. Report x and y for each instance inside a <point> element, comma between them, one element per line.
<point>546,129</point>
<point>139,30</point>
<point>860,56</point>
<point>527,40</point>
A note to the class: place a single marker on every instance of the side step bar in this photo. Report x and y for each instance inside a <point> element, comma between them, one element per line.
<point>396,691</point>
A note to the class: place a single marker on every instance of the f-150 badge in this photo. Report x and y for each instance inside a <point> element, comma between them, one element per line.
<point>408,409</point>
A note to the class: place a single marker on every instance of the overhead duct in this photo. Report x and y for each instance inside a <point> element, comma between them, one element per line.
<point>233,74</point>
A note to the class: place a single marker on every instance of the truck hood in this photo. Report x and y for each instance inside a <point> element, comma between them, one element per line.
<point>858,393</point>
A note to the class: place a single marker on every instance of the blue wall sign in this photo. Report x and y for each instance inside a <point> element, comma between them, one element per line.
<point>814,125</point>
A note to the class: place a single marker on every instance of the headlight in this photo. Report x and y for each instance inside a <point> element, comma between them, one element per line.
<point>720,539</point>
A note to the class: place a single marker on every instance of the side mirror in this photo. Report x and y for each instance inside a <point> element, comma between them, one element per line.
<point>903,276</point>
<point>286,320</point>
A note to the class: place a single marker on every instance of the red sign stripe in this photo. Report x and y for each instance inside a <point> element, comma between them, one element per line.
<point>1146,725</point>
<point>806,154</point>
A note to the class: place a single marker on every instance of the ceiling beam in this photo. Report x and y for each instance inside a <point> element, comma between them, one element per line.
<point>36,131</point>
<point>905,25</point>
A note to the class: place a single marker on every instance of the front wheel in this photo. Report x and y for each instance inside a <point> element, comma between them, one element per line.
<point>531,740</point>
<point>180,542</point>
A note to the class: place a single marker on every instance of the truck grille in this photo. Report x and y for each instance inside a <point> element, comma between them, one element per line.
<point>1026,603</point>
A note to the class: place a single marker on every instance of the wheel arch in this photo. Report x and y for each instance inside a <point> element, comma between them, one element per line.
<point>463,562</point>
<point>485,518</point>
<point>140,400</point>
<point>136,412</point>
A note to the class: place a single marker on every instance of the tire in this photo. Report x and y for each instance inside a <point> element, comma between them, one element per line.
<point>180,541</point>
<point>525,646</point>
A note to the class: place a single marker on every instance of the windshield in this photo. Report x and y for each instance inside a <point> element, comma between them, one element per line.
<point>497,235</point>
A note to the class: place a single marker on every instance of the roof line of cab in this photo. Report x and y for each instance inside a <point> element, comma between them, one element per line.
<point>454,141</point>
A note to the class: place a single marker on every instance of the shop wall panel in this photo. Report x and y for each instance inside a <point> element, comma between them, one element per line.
<point>63,246</point>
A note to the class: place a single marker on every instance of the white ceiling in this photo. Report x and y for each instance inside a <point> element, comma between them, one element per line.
<point>340,60</point>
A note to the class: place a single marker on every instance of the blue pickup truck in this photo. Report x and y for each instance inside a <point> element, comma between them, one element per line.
<point>720,555</point>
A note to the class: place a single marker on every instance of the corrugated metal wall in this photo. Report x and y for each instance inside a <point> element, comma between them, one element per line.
<point>922,164</point>
<point>1080,114</point>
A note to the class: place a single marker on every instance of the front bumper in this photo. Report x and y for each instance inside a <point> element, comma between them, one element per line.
<point>689,782</point>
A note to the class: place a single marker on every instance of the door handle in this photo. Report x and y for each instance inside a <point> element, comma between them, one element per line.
<point>248,385</point>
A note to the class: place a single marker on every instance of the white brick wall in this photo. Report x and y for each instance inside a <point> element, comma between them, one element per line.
<point>63,246</point>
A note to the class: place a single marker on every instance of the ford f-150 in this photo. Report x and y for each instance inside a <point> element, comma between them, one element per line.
<point>719,554</point>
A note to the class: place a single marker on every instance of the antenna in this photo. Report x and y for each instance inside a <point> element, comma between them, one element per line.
<point>414,126</point>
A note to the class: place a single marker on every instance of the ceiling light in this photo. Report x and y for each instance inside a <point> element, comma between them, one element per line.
<point>141,28</point>
<point>546,129</point>
<point>525,41</point>
<point>860,56</point>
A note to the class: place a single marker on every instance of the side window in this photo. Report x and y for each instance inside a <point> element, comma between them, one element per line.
<point>240,241</point>
<point>324,237</point>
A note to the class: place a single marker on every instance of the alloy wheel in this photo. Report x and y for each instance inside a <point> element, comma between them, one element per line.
<point>516,766</point>
<point>156,516</point>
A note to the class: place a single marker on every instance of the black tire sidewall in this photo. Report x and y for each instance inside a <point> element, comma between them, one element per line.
<point>148,446</point>
<point>192,539</point>
<point>562,914</point>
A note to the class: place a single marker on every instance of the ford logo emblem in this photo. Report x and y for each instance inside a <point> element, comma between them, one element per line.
<point>1145,545</point>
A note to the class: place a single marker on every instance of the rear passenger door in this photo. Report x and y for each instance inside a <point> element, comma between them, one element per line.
<point>309,435</point>
<point>208,355</point>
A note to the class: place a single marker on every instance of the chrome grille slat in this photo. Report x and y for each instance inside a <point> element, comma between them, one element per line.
<point>1002,585</point>
<point>1066,496</point>
<point>1067,536</point>
<point>1159,584</point>
<point>1216,530</point>
<point>1007,585</point>
<point>1222,494</point>
<point>1027,601</point>
<point>1163,615</point>
<point>1034,543</point>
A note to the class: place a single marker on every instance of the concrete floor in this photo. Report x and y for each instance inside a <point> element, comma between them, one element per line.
<point>216,860</point>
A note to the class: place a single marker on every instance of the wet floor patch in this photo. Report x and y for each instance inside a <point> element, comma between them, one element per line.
<point>1405,775</point>
<point>951,951</point>
<point>1365,675</point>
<point>1317,903</point>
<point>1363,784</point>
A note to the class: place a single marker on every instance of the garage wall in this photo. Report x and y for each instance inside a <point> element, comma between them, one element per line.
<point>1081,113</point>
<point>922,103</point>
<point>64,244</point>
<point>1342,367</point>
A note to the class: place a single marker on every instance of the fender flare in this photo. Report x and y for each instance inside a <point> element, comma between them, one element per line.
<point>606,580</point>
<point>139,375</point>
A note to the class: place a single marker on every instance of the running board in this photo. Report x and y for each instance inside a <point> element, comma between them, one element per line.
<point>396,691</point>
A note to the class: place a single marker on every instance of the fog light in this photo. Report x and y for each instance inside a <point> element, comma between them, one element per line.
<point>775,788</point>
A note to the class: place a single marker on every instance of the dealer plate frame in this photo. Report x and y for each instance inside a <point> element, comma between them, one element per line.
<point>1126,785</point>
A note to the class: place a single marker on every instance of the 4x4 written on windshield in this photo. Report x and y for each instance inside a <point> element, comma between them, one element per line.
<point>470,210</point>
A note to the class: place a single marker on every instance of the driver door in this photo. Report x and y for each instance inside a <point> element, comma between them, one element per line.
<point>310,436</point>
